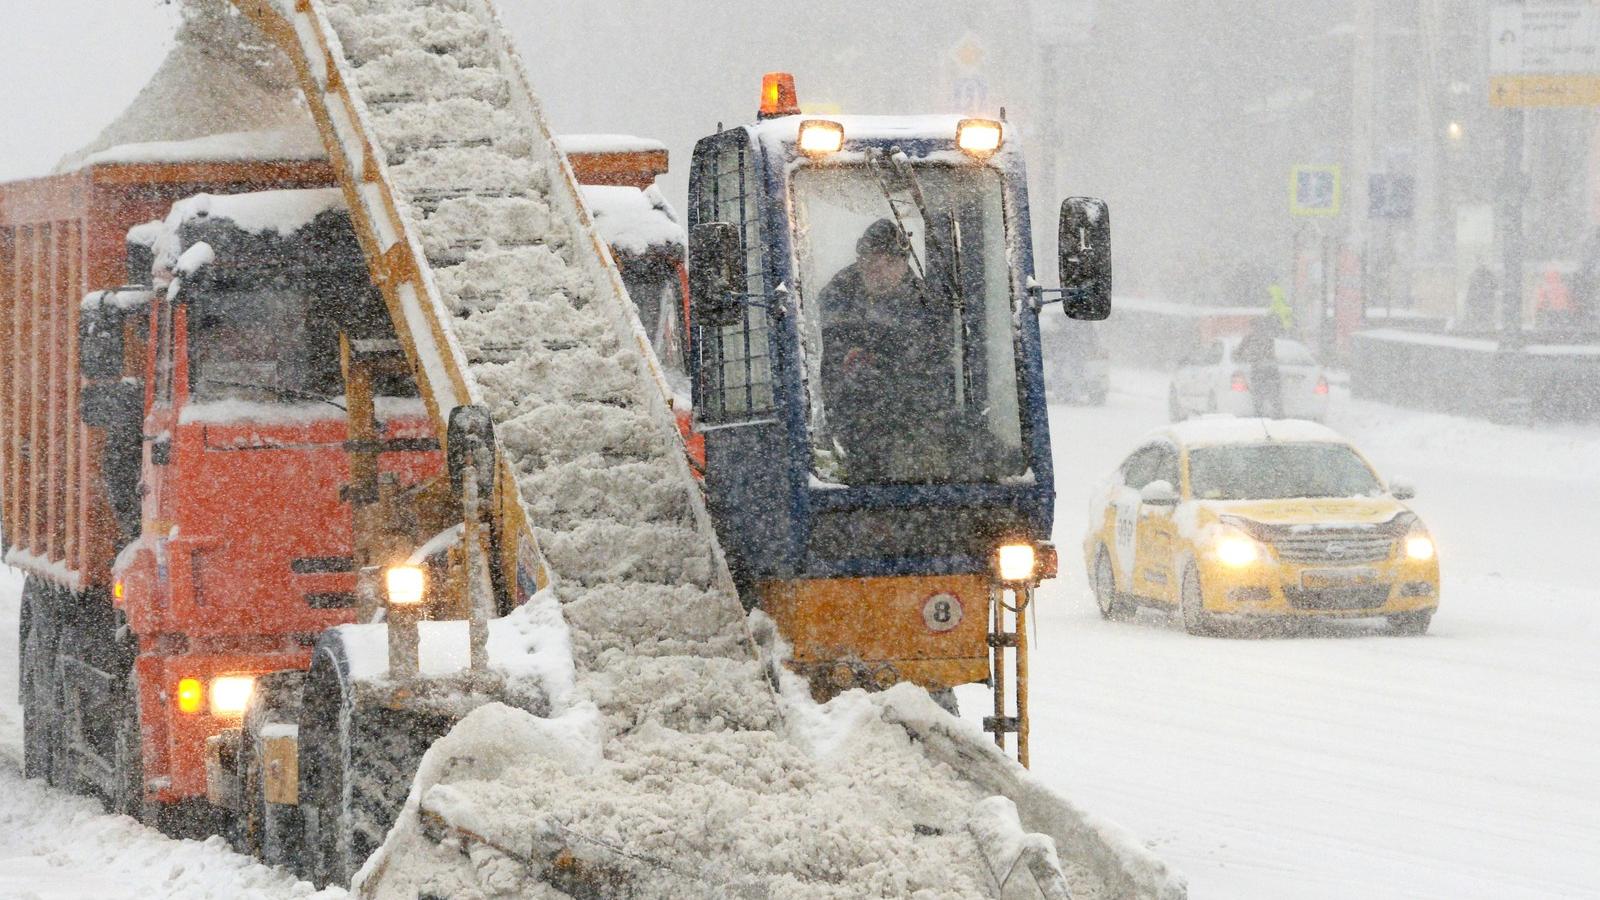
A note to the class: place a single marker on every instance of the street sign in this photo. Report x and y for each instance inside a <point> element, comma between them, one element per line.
<point>1544,53</point>
<point>1391,196</point>
<point>1314,191</point>
<point>1063,21</point>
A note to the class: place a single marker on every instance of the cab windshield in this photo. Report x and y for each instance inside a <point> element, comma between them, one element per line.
<point>1279,471</point>
<point>907,324</point>
<point>262,343</point>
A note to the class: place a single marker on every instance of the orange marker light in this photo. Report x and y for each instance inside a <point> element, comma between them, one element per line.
<point>116,592</point>
<point>778,97</point>
<point>191,693</point>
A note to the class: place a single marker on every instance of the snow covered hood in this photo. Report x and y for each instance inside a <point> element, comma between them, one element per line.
<point>633,220</point>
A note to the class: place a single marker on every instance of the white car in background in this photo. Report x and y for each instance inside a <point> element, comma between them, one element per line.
<point>1210,379</point>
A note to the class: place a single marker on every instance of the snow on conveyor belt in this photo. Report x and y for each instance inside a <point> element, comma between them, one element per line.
<point>673,763</point>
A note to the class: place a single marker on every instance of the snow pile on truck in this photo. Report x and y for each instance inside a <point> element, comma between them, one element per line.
<point>674,767</point>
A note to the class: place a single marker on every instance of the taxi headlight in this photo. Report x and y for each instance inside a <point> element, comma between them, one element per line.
<point>1014,562</point>
<point>1419,546</point>
<point>1235,548</point>
<point>405,584</point>
<point>230,694</point>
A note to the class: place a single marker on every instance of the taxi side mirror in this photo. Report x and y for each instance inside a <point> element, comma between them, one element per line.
<point>1084,258</point>
<point>716,275</point>
<point>1159,493</point>
<point>1401,489</point>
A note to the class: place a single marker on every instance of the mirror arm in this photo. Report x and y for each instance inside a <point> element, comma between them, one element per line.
<point>1043,296</point>
<point>777,306</point>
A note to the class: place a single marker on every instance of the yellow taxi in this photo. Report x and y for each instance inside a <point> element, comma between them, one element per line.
<point>1227,520</point>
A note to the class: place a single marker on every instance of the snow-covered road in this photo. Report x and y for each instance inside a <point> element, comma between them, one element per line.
<point>1351,763</point>
<point>1343,764</point>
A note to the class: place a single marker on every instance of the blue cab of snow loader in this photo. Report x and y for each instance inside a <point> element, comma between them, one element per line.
<point>865,361</point>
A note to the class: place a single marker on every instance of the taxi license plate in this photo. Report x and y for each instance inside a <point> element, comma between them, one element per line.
<point>1325,579</point>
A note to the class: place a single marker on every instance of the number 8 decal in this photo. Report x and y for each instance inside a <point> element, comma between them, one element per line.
<point>942,612</point>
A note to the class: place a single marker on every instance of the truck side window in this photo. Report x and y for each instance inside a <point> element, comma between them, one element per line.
<point>734,364</point>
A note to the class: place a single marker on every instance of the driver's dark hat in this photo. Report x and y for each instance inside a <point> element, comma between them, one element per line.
<point>881,237</point>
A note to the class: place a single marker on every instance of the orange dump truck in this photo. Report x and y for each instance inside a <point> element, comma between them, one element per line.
<point>185,476</point>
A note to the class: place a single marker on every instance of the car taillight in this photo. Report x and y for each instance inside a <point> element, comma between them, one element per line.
<point>1322,385</point>
<point>1240,384</point>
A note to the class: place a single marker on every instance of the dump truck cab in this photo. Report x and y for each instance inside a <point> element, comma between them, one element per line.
<point>244,550</point>
<point>868,381</point>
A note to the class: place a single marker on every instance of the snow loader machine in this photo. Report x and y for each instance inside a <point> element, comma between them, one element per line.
<point>446,611</point>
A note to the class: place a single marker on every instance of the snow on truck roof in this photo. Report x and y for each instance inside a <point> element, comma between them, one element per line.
<point>787,128</point>
<point>285,212</point>
<point>632,220</point>
<point>608,143</point>
<point>278,145</point>
<point>1223,429</point>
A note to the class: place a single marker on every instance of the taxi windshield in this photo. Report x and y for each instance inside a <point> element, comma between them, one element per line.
<point>1272,471</point>
<point>907,324</point>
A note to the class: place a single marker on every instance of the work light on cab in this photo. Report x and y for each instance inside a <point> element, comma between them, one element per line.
<point>1015,562</point>
<point>819,137</point>
<point>405,584</point>
<point>979,137</point>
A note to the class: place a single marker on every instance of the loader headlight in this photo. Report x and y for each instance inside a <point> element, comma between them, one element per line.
<point>1237,549</point>
<point>979,137</point>
<point>1419,546</point>
<point>405,584</point>
<point>819,137</point>
<point>1015,562</point>
<point>230,694</point>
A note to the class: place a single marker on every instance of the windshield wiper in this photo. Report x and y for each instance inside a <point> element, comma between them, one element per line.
<point>279,392</point>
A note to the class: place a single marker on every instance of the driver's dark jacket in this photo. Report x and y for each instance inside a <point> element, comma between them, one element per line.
<point>887,360</point>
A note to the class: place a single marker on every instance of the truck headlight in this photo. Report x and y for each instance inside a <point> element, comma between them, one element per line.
<point>230,694</point>
<point>1419,546</point>
<point>1237,549</point>
<point>1015,562</point>
<point>405,584</point>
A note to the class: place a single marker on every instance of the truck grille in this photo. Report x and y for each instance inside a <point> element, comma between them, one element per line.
<point>1333,547</point>
<point>1366,597</point>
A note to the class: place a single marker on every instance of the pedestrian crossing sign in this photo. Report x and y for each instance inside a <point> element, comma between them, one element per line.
<point>1314,191</point>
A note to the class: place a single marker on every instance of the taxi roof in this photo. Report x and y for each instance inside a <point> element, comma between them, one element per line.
<point>1223,429</point>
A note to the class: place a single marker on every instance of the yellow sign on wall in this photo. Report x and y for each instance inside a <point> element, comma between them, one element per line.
<point>1518,91</point>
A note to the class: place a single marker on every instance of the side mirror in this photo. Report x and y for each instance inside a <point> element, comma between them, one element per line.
<point>1159,493</point>
<point>100,350</point>
<point>716,275</point>
<point>111,404</point>
<point>1084,250</point>
<point>1401,489</point>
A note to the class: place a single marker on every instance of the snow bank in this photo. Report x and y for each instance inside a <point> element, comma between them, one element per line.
<point>633,220</point>
<point>58,846</point>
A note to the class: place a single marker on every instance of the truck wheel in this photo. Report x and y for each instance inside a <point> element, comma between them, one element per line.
<point>356,770</point>
<point>1192,604</point>
<point>1112,606</point>
<point>63,770</point>
<point>127,760</point>
<point>40,716</point>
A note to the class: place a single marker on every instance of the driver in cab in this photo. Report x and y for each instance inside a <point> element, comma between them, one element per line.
<point>888,372</point>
